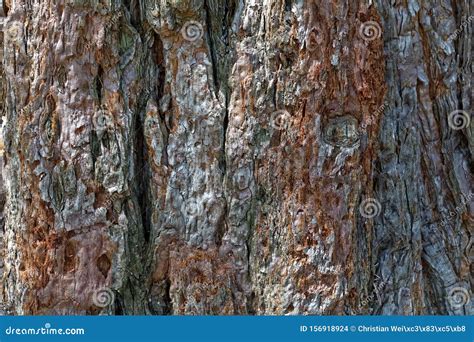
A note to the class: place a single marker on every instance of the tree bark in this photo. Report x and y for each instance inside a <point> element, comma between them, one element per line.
<point>237,157</point>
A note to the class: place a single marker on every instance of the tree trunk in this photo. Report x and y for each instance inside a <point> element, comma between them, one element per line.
<point>237,157</point>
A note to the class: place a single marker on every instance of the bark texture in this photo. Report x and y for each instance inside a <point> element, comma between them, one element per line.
<point>237,157</point>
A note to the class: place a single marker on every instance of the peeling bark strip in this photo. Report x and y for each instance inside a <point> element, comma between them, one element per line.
<point>236,157</point>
